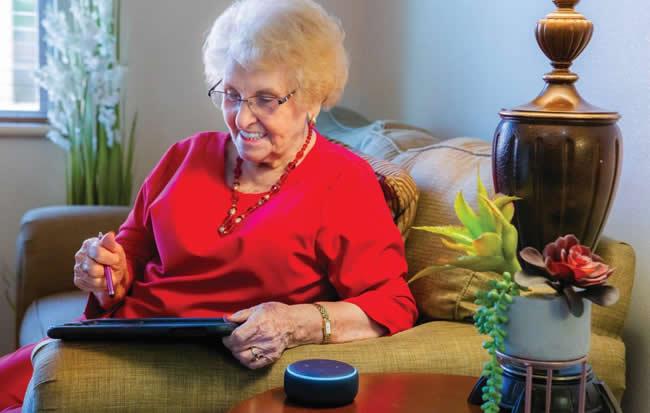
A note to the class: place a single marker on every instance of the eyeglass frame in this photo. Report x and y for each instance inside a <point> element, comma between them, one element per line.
<point>280,100</point>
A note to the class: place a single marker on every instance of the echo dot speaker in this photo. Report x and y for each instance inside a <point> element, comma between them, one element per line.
<point>321,382</point>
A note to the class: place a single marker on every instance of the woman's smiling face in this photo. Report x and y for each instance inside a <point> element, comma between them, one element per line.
<point>266,138</point>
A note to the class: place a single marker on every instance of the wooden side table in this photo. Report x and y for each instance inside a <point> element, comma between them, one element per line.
<point>383,393</point>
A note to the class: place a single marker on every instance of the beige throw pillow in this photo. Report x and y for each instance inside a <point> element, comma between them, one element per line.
<point>440,171</point>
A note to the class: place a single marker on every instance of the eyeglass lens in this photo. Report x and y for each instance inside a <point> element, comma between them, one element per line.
<point>260,104</point>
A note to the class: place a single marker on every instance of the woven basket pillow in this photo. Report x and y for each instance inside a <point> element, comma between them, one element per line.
<point>400,192</point>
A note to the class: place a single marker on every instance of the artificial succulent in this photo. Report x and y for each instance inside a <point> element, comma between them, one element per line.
<point>572,270</point>
<point>487,241</point>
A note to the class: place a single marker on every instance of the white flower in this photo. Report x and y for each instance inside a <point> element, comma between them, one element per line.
<point>107,118</point>
<point>105,11</point>
<point>58,121</point>
<point>82,69</point>
<point>58,139</point>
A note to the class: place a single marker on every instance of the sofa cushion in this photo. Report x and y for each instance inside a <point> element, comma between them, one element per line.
<point>50,310</point>
<point>383,139</point>
<point>440,171</point>
<point>137,376</point>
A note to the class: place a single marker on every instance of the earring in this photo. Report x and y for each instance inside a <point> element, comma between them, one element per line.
<point>311,121</point>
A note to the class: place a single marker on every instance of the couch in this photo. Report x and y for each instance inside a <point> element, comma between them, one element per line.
<point>167,377</point>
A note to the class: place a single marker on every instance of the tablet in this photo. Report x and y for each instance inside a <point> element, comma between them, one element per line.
<point>142,328</point>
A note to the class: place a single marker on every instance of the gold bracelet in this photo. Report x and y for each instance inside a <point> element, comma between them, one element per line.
<point>327,326</point>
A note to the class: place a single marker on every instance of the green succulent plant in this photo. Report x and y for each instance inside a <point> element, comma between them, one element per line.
<point>487,241</point>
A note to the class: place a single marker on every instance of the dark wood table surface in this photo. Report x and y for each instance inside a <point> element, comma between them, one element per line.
<point>382,393</point>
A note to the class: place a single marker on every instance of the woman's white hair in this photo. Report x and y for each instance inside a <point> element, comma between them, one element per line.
<point>294,35</point>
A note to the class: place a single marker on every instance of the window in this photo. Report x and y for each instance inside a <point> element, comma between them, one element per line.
<point>21,52</point>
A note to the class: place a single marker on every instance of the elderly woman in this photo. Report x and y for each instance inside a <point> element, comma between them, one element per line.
<point>268,224</point>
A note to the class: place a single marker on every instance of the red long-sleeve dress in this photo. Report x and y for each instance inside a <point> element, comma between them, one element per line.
<point>327,235</point>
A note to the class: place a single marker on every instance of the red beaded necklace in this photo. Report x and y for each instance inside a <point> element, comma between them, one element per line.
<point>231,220</point>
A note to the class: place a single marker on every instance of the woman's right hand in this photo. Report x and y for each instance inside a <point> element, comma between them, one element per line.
<point>89,269</point>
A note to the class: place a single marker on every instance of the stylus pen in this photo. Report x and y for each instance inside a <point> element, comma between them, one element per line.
<point>108,275</point>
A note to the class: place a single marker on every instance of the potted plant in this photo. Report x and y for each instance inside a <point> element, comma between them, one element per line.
<point>83,79</point>
<point>574,278</point>
<point>571,273</point>
<point>487,241</point>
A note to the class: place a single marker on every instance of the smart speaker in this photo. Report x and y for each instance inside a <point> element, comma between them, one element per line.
<point>321,382</point>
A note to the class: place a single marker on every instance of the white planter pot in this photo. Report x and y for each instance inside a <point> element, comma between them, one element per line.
<point>543,329</point>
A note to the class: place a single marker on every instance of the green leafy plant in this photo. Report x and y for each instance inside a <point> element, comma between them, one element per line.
<point>83,79</point>
<point>489,319</point>
<point>487,241</point>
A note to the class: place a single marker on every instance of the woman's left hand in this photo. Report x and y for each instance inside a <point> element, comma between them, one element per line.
<point>267,330</point>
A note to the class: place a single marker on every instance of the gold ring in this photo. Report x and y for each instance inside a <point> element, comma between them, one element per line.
<point>256,356</point>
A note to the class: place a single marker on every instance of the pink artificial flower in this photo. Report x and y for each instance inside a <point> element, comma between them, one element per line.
<point>566,264</point>
<point>568,261</point>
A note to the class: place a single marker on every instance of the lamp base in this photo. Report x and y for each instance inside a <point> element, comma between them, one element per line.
<point>564,396</point>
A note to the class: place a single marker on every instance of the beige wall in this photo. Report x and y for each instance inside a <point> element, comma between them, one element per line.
<point>445,66</point>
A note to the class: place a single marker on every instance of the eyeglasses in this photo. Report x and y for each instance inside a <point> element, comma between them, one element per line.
<point>260,105</point>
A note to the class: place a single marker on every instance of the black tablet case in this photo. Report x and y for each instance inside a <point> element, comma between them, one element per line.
<point>142,328</point>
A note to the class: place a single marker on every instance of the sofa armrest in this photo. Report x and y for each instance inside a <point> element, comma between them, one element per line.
<point>48,239</point>
<point>609,321</point>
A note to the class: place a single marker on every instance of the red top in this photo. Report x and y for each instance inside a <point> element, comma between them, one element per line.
<point>327,235</point>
